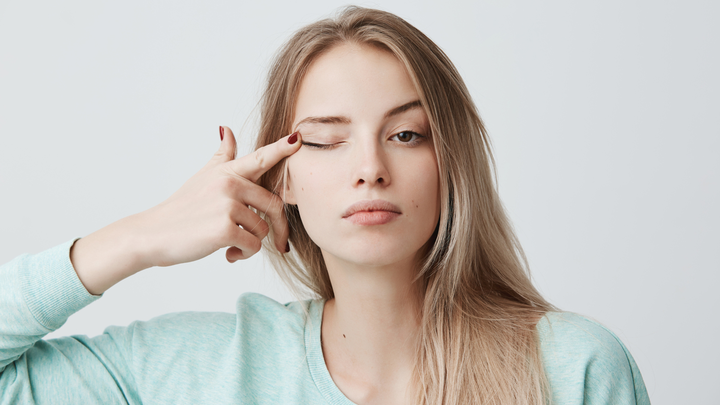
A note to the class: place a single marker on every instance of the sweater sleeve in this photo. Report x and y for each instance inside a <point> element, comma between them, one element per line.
<point>38,293</point>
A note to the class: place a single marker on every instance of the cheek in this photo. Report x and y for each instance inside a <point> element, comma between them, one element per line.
<point>311,184</point>
<point>425,185</point>
<point>422,187</point>
<point>315,192</point>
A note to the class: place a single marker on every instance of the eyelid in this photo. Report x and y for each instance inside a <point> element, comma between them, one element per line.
<point>317,145</point>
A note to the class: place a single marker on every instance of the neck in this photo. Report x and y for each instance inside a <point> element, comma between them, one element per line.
<point>369,329</point>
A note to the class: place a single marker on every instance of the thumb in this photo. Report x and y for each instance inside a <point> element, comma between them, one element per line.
<point>228,146</point>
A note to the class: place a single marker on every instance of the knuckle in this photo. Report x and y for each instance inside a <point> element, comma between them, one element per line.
<point>242,254</point>
<point>229,207</point>
<point>263,229</point>
<point>254,245</point>
<point>260,158</point>
<point>220,154</point>
<point>227,183</point>
<point>228,233</point>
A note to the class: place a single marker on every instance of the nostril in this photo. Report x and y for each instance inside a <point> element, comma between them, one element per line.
<point>380,180</point>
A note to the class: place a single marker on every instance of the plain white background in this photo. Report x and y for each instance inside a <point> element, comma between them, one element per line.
<point>603,116</point>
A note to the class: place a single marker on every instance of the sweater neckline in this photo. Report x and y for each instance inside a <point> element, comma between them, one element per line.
<point>316,360</point>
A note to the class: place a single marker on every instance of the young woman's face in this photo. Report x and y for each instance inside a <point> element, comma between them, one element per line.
<point>366,139</point>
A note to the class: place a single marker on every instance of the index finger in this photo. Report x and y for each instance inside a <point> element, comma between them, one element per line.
<point>253,165</point>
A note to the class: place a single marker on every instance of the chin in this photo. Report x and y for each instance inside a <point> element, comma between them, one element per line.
<point>371,247</point>
<point>373,253</point>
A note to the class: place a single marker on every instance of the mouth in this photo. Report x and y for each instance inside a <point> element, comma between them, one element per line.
<point>372,212</point>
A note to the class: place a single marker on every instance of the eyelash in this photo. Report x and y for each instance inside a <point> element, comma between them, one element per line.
<point>318,145</point>
<point>412,142</point>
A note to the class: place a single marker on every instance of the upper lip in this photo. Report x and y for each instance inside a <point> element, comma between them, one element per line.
<point>371,205</point>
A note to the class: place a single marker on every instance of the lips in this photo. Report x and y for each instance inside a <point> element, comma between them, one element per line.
<point>370,206</point>
<point>372,212</point>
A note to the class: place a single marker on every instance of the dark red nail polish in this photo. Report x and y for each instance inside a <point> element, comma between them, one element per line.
<point>287,247</point>
<point>293,138</point>
<point>222,133</point>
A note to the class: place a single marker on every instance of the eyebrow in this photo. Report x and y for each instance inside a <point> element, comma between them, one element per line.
<point>345,120</point>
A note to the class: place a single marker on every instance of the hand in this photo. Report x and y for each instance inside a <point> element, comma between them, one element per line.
<point>204,214</point>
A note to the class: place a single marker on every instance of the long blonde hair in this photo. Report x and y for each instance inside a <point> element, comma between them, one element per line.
<point>478,342</point>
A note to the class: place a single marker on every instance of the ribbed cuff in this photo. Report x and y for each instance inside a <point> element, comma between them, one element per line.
<point>51,287</point>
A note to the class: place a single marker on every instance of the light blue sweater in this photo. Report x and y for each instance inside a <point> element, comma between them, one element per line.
<point>266,353</point>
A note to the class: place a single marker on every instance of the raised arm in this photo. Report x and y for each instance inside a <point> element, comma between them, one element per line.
<point>197,220</point>
<point>39,292</point>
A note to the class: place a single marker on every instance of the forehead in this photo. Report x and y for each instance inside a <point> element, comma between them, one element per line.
<point>355,81</point>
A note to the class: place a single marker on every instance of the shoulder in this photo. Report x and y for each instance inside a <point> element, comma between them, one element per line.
<point>253,312</point>
<point>261,305</point>
<point>257,317</point>
<point>585,361</point>
<point>262,336</point>
<point>570,334</point>
<point>265,312</point>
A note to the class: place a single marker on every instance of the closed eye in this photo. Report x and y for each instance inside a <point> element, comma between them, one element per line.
<point>318,145</point>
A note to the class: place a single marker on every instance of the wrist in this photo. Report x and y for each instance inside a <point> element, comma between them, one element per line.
<point>109,255</point>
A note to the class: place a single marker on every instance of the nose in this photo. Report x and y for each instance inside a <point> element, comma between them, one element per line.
<point>371,168</point>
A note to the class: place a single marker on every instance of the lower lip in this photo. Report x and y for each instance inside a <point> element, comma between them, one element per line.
<point>372,217</point>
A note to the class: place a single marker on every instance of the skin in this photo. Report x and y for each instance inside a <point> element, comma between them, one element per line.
<point>369,329</point>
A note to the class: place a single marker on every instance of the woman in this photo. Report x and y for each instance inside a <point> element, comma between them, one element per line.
<point>381,202</point>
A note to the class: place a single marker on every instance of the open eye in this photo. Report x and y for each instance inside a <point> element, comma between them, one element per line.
<point>409,137</point>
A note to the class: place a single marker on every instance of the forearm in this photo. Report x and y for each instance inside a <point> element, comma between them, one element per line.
<point>111,254</point>
<point>38,293</point>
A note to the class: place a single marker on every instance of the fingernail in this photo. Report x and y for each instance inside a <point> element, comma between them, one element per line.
<point>292,140</point>
<point>287,247</point>
<point>222,133</point>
